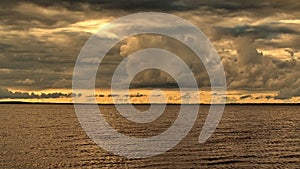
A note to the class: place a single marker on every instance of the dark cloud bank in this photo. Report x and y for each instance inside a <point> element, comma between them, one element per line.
<point>5,93</point>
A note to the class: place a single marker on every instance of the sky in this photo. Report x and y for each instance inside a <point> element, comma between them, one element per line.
<point>257,41</point>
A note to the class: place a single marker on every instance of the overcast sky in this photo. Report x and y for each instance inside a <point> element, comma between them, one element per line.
<point>258,42</point>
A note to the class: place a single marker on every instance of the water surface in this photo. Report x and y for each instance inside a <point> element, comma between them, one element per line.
<point>50,136</point>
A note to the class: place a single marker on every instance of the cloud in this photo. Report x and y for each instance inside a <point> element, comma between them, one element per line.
<point>25,82</point>
<point>292,54</point>
<point>247,51</point>
<point>7,94</point>
<point>245,97</point>
<point>39,46</point>
<point>290,90</point>
<point>157,78</point>
<point>165,5</point>
<point>254,70</point>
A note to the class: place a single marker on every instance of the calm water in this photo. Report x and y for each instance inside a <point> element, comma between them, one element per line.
<point>50,136</point>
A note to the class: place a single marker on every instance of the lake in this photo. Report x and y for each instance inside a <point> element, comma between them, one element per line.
<point>248,136</point>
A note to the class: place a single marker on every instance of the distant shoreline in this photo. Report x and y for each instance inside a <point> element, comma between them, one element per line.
<point>20,102</point>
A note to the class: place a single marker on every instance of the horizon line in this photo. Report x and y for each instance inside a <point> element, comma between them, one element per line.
<point>62,103</point>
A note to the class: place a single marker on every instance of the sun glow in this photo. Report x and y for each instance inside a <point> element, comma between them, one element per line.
<point>90,26</point>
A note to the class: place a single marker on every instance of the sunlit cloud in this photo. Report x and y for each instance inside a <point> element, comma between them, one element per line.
<point>293,21</point>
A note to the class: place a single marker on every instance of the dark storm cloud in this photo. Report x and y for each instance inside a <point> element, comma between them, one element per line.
<point>99,5</point>
<point>245,97</point>
<point>266,7</point>
<point>256,8</point>
<point>230,5</point>
<point>138,4</point>
<point>261,31</point>
<point>7,94</point>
